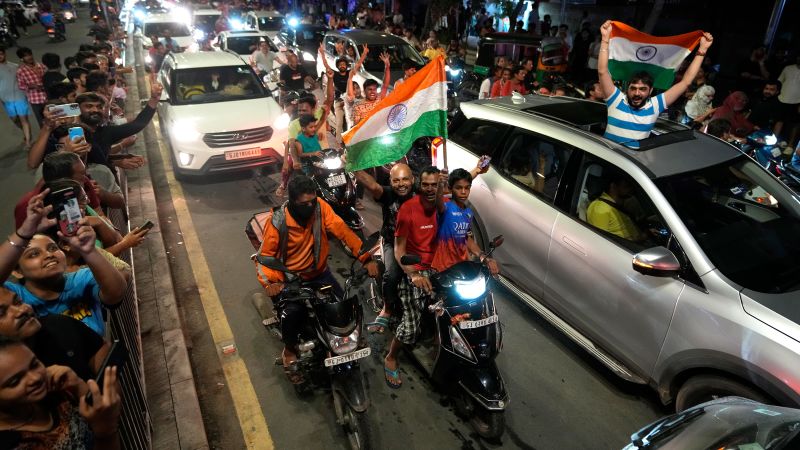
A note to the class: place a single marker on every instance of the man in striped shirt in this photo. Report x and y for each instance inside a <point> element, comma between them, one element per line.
<point>631,115</point>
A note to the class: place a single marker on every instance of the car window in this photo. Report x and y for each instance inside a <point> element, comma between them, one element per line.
<point>613,203</point>
<point>243,45</point>
<point>397,53</point>
<point>158,28</point>
<point>534,162</point>
<point>270,23</point>
<point>166,77</point>
<point>195,86</point>
<point>479,136</point>
<point>330,45</point>
<point>744,219</point>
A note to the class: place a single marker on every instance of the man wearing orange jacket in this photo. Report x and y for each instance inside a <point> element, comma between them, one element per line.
<point>297,233</point>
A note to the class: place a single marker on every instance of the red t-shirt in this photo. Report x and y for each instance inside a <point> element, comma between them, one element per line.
<point>21,210</point>
<point>419,227</point>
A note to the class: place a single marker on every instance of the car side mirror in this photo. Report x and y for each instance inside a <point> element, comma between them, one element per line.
<point>657,262</point>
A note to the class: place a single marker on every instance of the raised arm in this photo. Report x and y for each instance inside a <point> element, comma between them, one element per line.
<point>369,184</point>
<point>36,221</point>
<point>329,89</point>
<point>387,75</point>
<point>680,87</point>
<point>603,75</point>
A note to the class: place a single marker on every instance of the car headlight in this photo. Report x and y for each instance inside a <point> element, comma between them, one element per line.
<point>308,57</point>
<point>470,289</point>
<point>342,345</point>
<point>293,22</point>
<point>148,59</point>
<point>198,34</point>
<point>184,132</point>
<point>460,345</point>
<point>185,158</point>
<point>282,122</point>
<point>236,24</point>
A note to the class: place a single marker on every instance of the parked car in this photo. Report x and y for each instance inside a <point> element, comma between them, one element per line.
<point>691,286</point>
<point>156,24</point>
<point>303,40</point>
<point>269,22</point>
<point>726,423</point>
<point>216,115</point>
<point>378,43</point>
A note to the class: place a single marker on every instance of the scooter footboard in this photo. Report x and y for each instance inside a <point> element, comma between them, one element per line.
<point>486,386</point>
<point>350,384</point>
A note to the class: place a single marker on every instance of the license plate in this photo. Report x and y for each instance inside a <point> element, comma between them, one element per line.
<point>358,354</point>
<point>336,180</point>
<point>469,324</point>
<point>242,154</point>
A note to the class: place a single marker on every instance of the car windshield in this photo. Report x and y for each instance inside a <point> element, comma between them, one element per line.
<point>746,222</point>
<point>243,45</point>
<point>309,38</point>
<point>215,84</point>
<point>158,28</point>
<point>205,22</point>
<point>270,23</point>
<point>397,52</point>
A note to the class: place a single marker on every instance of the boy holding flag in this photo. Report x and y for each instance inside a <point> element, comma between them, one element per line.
<point>648,62</point>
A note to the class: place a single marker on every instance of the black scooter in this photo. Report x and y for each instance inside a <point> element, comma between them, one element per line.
<point>337,187</point>
<point>331,346</point>
<point>461,336</point>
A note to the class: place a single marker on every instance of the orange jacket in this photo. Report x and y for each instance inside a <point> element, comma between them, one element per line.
<point>300,247</point>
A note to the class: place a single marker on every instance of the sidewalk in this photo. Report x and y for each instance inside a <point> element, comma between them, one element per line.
<point>171,394</point>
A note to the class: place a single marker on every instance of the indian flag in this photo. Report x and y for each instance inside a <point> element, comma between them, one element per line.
<point>418,107</point>
<point>631,51</point>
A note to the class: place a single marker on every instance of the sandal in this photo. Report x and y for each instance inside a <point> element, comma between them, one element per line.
<point>380,325</point>
<point>392,377</point>
<point>292,371</point>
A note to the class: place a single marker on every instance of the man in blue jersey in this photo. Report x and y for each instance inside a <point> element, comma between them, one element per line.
<point>631,116</point>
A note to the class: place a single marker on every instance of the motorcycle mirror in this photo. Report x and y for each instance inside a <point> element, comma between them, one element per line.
<point>408,260</point>
<point>369,242</point>
<point>271,262</point>
<point>496,242</point>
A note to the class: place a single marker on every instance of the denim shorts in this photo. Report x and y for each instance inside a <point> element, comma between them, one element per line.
<point>17,108</point>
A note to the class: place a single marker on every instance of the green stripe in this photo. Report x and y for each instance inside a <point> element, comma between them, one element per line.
<point>391,147</point>
<point>622,70</point>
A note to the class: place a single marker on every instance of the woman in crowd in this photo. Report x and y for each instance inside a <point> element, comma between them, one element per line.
<point>698,109</point>
<point>734,110</point>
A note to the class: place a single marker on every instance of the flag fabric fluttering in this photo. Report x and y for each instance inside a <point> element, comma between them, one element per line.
<point>631,51</point>
<point>417,108</point>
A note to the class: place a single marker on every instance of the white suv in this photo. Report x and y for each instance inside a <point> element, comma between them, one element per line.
<point>217,115</point>
<point>156,24</point>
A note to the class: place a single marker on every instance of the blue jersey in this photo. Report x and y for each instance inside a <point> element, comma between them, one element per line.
<point>455,225</point>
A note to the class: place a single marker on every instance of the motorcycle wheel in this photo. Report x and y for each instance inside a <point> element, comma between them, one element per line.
<point>489,425</point>
<point>356,425</point>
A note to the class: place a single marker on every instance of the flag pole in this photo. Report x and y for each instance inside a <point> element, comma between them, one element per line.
<point>444,152</point>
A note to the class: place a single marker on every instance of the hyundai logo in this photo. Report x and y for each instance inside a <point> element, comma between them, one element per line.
<point>239,136</point>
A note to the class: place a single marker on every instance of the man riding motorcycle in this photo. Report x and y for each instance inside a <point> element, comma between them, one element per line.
<point>300,240</point>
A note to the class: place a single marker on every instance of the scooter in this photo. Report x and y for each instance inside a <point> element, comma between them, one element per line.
<point>461,336</point>
<point>331,346</point>
<point>337,187</point>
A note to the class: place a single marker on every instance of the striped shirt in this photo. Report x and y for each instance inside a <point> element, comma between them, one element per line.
<point>627,125</point>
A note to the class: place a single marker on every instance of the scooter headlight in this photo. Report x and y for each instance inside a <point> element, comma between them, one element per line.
<point>470,289</point>
<point>460,344</point>
<point>341,345</point>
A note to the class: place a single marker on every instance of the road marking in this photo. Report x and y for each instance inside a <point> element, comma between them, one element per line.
<point>245,401</point>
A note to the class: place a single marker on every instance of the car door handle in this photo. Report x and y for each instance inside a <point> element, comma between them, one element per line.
<point>574,246</point>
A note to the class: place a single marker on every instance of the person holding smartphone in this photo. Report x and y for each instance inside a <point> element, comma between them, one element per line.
<point>36,259</point>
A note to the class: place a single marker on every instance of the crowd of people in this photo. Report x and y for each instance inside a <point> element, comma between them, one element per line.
<point>61,268</point>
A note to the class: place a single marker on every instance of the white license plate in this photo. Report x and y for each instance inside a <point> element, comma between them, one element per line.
<point>242,154</point>
<point>469,324</point>
<point>336,180</point>
<point>358,354</point>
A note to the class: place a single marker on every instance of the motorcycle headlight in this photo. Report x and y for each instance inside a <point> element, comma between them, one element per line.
<point>770,139</point>
<point>308,57</point>
<point>282,122</point>
<point>460,344</point>
<point>454,72</point>
<point>332,163</point>
<point>342,345</point>
<point>184,132</point>
<point>470,289</point>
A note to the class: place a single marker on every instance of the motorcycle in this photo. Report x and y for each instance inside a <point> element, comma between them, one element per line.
<point>6,38</point>
<point>460,338</point>
<point>337,187</point>
<point>57,32</point>
<point>331,346</point>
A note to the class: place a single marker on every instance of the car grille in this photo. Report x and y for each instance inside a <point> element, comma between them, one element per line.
<point>240,137</point>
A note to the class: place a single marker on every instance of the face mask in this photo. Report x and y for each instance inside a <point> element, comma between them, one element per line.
<point>302,213</point>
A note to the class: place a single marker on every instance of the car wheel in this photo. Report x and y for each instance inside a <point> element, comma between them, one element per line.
<point>703,388</point>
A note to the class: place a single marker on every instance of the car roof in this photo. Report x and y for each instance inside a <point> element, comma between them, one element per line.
<point>671,149</point>
<point>190,60</point>
<point>367,36</point>
<point>267,14</point>
<point>161,17</point>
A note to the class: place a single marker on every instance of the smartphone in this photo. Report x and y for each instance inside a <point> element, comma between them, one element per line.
<point>65,110</point>
<point>147,225</point>
<point>75,133</point>
<point>115,357</point>
<point>485,161</point>
<point>66,209</point>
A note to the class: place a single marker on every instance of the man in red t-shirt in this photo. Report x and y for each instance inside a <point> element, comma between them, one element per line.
<point>415,234</point>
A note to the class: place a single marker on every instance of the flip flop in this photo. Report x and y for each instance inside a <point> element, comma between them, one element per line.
<point>390,375</point>
<point>380,325</point>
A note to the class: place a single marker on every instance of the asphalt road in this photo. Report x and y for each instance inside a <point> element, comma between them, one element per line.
<point>560,397</point>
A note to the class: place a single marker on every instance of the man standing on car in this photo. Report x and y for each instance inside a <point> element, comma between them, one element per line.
<point>297,234</point>
<point>632,115</point>
<point>262,59</point>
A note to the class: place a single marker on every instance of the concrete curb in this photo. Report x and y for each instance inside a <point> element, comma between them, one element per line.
<point>171,393</point>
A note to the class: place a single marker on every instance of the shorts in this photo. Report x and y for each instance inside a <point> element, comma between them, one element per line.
<point>17,108</point>
<point>413,301</point>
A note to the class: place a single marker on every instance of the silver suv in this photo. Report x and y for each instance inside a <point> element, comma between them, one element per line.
<point>676,265</point>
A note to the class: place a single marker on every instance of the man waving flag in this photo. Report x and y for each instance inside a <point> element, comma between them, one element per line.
<point>417,108</point>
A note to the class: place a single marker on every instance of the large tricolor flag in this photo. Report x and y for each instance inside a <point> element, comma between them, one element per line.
<point>631,51</point>
<point>418,107</point>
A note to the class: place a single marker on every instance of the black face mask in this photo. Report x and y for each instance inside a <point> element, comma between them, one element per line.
<point>302,213</point>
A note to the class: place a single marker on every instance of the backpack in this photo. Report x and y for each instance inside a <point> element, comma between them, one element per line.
<point>277,215</point>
